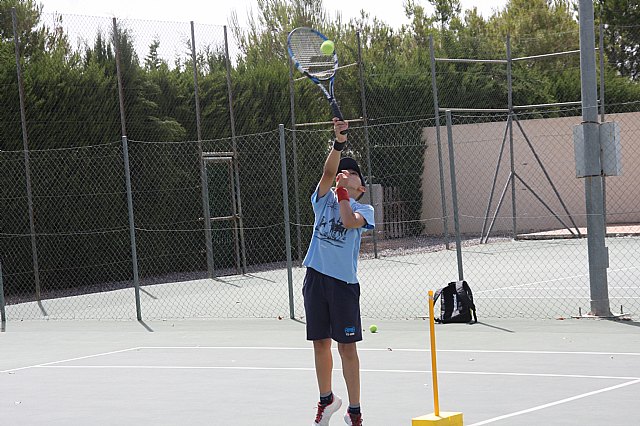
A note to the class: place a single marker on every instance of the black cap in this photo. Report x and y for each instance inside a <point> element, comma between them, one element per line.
<point>348,163</point>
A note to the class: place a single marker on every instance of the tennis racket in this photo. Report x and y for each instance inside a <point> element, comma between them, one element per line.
<point>304,49</point>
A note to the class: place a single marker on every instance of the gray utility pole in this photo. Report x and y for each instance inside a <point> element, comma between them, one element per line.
<point>592,167</point>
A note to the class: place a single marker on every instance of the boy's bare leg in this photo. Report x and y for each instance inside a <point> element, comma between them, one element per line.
<point>324,364</point>
<point>351,371</point>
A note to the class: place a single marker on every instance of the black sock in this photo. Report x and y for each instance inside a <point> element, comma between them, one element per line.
<point>354,409</point>
<point>326,399</point>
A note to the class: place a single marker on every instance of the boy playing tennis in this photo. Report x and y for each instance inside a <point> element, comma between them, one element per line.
<point>331,290</point>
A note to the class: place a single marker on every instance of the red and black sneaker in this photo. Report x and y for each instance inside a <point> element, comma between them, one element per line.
<point>325,411</point>
<point>353,419</point>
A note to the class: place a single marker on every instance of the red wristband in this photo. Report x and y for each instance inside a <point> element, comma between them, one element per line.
<point>342,193</point>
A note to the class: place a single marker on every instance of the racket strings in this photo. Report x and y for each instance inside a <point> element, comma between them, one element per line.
<point>306,51</point>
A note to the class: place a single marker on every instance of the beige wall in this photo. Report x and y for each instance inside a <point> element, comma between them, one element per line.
<point>378,212</point>
<point>477,147</point>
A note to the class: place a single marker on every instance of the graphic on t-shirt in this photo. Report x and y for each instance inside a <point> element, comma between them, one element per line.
<point>334,249</point>
<point>332,231</point>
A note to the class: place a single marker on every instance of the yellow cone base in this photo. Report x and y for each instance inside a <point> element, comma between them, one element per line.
<point>444,419</point>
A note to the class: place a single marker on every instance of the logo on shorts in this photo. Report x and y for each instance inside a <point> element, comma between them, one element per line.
<point>350,331</point>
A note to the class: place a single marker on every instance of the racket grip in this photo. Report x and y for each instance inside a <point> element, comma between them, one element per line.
<point>337,113</point>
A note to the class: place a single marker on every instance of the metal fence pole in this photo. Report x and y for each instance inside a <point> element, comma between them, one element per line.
<point>27,168</point>
<point>238,229</point>
<point>287,230</point>
<point>206,211</point>
<point>602,116</point>
<point>235,151</point>
<point>296,193</point>
<point>598,254</point>
<point>127,174</point>
<point>454,195</point>
<point>436,111</point>
<point>3,314</point>
<point>363,100</point>
<point>132,229</point>
<point>511,148</point>
<point>601,54</point>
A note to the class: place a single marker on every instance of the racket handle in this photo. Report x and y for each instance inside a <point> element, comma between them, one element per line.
<point>337,113</point>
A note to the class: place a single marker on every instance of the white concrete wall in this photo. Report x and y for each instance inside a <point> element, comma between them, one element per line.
<point>477,148</point>
<point>378,212</point>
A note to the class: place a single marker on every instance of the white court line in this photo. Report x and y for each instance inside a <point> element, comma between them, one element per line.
<point>547,281</point>
<point>532,283</point>
<point>566,288</point>
<point>364,370</point>
<point>537,352</point>
<point>551,404</point>
<point>267,348</point>
<point>276,348</point>
<point>68,360</point>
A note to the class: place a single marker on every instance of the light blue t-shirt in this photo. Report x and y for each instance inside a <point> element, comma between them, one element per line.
<point>334,249</point>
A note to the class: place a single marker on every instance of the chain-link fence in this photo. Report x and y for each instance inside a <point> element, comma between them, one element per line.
<point>542,271</point>
<point>205,234</point>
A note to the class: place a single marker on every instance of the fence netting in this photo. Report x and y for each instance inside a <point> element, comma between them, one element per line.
<point>210,203</point>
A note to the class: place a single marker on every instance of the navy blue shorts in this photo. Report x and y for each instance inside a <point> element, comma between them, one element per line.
<point>332,308</point>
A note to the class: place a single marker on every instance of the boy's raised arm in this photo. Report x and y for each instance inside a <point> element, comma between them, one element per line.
<point>333,159</point>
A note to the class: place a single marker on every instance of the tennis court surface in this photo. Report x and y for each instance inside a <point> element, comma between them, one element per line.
<point>260,372</point>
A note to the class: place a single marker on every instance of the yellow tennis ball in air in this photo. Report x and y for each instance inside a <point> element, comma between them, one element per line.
<point>327,47</point>
<point>373,328</point>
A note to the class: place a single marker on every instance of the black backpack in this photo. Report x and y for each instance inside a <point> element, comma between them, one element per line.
<point>456,304</point>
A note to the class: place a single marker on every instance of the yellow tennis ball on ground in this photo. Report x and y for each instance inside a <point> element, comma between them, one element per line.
<point>373,328</point>
<point>327,47</point>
